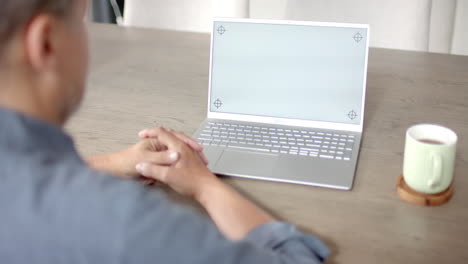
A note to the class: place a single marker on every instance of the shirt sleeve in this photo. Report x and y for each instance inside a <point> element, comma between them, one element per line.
<point>127,223</point>
<point>287,240</point>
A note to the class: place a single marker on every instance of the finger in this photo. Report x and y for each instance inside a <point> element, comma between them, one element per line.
<point>154,144</point>
<point>167,138</point>
<point>143,133</point>
<point>148,181</point>
<point>162,158</point>
<point>192,143</point>
<point>149,132</point>
<point>154,132</point>
<point>153,171</point>
<point>203,157</point>
<point>188,140</point>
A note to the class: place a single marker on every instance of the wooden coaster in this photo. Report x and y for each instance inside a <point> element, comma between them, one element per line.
<point>412,196</point>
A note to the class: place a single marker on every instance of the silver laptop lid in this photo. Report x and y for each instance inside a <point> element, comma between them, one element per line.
<point>308,74</point>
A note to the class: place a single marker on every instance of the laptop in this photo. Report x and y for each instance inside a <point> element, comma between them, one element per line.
<point>286,100</point>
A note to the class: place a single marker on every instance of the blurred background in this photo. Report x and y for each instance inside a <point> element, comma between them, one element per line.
<point>423,25</point>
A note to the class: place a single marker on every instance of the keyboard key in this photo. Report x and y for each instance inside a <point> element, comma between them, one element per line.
<point>309,149</point>
<point>248,148</point>
<point>326,156</point>
<point>277,140</point>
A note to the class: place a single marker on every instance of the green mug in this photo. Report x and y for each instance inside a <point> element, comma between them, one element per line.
<point>429,158</point>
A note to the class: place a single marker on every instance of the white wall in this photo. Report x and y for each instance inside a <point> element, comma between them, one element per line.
<point>460,36</point>
<point>423,25</point>
<point>184,15</point>
<point>399,24</point>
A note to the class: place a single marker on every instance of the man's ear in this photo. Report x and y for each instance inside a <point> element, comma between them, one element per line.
<point>38,40</point>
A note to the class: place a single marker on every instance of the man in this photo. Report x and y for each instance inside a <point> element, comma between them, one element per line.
<point>55,209</point>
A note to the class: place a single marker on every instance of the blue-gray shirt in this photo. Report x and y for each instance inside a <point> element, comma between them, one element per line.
<point>54,209</point>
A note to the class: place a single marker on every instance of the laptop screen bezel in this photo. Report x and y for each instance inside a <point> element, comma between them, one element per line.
<point>289,121</point>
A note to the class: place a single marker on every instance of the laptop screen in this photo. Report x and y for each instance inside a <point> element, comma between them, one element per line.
<point>288,71</point>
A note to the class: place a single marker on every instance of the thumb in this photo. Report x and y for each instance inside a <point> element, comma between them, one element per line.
<point>153,171</point>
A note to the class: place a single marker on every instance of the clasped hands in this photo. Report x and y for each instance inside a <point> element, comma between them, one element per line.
<point>167,156</point>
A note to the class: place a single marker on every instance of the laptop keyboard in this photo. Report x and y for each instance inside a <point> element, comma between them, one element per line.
<point>328,145</point>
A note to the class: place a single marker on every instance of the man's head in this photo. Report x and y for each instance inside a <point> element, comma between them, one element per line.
<point>43,57</point>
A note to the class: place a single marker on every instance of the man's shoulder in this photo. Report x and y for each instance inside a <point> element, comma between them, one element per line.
<point>66,190</point>
<point>70,203</point>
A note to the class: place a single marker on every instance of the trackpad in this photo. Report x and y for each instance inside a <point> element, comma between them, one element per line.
<point>244,163</point>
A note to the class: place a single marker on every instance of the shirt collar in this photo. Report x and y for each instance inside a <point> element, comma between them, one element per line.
<point>24,133</point>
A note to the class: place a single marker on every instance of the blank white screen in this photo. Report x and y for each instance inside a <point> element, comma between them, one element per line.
<point>289,71</point>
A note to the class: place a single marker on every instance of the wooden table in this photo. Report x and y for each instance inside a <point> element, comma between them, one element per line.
<point>142,78</point>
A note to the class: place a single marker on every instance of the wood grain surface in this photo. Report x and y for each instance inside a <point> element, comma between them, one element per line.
<point>142,78</point>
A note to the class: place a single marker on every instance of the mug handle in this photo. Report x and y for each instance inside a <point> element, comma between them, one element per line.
<point>437,166</point>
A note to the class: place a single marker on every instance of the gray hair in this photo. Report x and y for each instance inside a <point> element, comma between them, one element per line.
<point>16,13</point>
